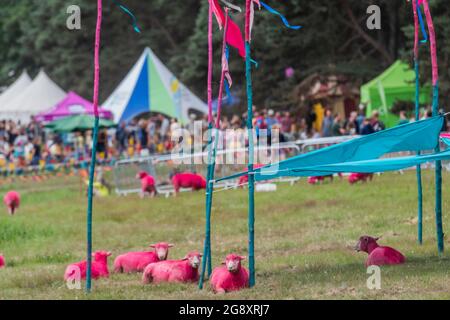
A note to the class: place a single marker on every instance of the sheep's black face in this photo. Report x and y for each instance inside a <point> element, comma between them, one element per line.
<point>364,243</point>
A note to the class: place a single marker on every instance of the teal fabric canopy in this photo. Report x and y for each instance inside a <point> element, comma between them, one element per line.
<point>347,156</point>
<point>371,166</point>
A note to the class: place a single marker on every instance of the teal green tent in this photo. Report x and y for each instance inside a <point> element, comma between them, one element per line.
<point>397,83</point>
<point>80,122</point>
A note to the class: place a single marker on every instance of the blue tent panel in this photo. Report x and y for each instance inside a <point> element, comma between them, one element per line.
<point>139,101</point>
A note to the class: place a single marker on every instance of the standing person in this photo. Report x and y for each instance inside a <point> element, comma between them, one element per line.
<point>327,124</point>
<point>121,137</point>
<point>338,129</point>
<point>403,118</point>
<point>366,127</point>
<point>164,128</point>
<point>142,134</point>
<point>376,123</point>
<point>352,126</point>
<point>102,142</point>
<point>36,152</point>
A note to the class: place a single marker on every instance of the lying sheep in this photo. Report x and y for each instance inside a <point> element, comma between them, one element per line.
<point>378,255</point>
<point>99,267</point>
<point>137,261</point>
<point>185,270</point>
<point>2,261</point>
<point>231,276</point>
<point>12,201</point>
<point>356,177</point>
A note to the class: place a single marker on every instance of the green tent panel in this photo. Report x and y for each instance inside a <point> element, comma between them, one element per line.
<point>397,83</point>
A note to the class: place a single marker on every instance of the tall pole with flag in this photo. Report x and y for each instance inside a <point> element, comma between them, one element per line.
<point>249,15</point>
<point>438,166</point>
<point>415,5</point>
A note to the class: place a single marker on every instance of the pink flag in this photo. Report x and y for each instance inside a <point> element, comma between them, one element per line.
<point>234,36</point>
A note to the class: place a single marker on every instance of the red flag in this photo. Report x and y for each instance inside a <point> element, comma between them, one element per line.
<point>234,34</point>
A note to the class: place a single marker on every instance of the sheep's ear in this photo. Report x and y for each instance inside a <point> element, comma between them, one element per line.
<point>223,262</point>
<point>152,246</point>
<point>377,238</point>
<point>185,258</point>
<point>108,253</point>
<point>242,257</point>
<point>171,245</point>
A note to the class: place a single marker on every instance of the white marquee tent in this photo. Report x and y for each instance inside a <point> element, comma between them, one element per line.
<point>15,89</point>
<point>39,96</point>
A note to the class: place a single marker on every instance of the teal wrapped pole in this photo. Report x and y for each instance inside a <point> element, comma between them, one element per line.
<point>438,181</point>
<point>415,6</point>
<point>251,178</point>
<point>89,209</point>
<point>438,169</point>
<point>206,263</point>
<point>207,242</point>
<point>418,168</point>
<point>94,146</point>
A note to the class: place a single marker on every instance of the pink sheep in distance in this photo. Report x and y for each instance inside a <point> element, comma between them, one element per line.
<point>12,201</point>
<point>2,261</point>
<point>147,184</point>
<point>137,261</point>
<point>356,177</point>
<point>185,270</point>
<point>378,255</point>
<point>99,267</point>
<point>231,276</point>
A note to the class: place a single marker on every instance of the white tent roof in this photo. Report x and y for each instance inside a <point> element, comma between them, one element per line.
<point>41,95</point>
<point>15,89</point>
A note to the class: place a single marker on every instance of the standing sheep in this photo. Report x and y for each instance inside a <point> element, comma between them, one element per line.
<point>147,184</point>
<point>378,255</point>
<point>137,261</point>
<point>185,270</point>
<point>231,276</point>
<point>12,201</point>
<point>188,180</point>
<point>99,267</point>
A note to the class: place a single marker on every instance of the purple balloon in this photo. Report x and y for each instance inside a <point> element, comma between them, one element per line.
<point>289,72</point>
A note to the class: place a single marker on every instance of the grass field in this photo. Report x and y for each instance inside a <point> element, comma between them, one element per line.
<point>304,239</point>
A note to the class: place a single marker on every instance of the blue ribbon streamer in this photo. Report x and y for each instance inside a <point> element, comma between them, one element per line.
<point>128,12</point>
<point>227,85</point>
<point>285,21</point>
<point>422,24</point>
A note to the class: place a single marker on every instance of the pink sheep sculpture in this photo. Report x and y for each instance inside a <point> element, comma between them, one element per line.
<point>185,270</point>
<point>378,255</point>
<point>12,201</point>
<point>99,267</point>
<point>137,261</point>
<point>232,276</point>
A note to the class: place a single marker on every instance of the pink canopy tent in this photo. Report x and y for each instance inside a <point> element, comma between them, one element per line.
<point>71,105</point>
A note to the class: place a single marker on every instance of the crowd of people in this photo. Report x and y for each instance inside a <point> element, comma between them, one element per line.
<point>33,145</point>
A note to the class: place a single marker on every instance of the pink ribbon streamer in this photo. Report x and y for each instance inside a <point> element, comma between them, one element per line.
<point>225,70</point>
<point>416,30</point>
<point>434,62</point>
<point>250,17</point>
<point>97,57</point>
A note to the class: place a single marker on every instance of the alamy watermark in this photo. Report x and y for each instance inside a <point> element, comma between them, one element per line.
<point>374,280</point>
<point>73,21</point>
<point>193,147</point>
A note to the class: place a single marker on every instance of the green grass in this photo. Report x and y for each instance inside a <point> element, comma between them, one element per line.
<point>304,239</point>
